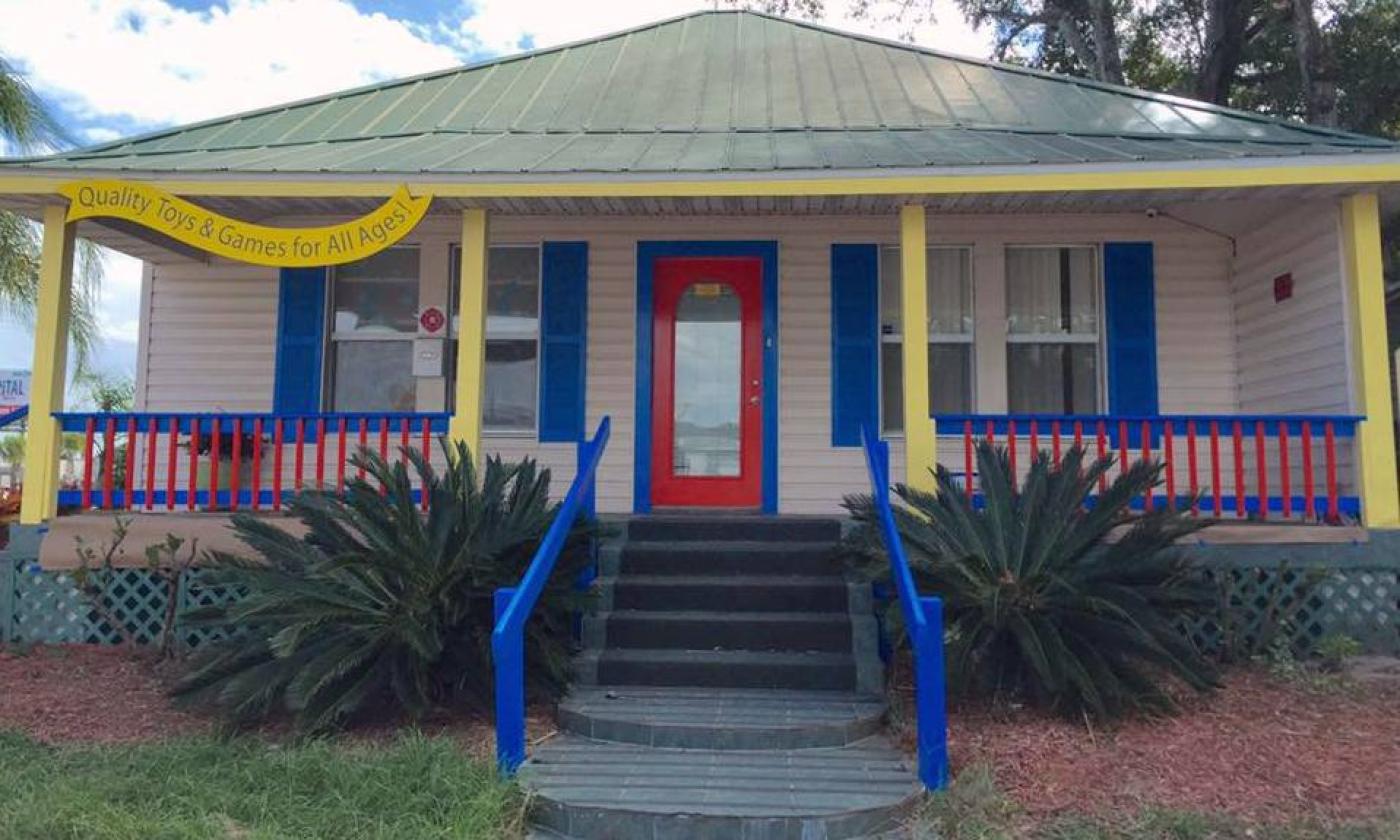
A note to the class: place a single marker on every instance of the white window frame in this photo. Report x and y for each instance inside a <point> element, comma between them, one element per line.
<point>453,293</point>
<point>1097,338</point>
<point>328,383</point>
<point>897,338</point>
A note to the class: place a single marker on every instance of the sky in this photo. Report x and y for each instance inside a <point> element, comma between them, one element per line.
<point>115,68</point>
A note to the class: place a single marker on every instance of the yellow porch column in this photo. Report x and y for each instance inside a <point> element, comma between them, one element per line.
<point>41,451</point>
<point>920,444</point>
<point>465,424</point>
<point>1370,353</point>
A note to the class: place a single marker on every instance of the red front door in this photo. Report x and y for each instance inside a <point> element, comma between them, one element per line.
<point>707,386</point>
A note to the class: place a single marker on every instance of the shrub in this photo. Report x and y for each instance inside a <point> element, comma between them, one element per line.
<point>1039,602</point>
<point>380,606</point>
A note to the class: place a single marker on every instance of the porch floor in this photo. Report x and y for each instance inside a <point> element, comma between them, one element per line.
<point>212,530</point>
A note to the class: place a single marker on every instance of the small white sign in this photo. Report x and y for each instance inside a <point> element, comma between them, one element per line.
<point>14,390</point>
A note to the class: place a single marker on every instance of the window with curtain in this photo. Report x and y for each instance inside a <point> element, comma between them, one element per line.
<point>510,399</point>
<point>1052,319</point>
<point>374,306</point>
<point>950,373</point>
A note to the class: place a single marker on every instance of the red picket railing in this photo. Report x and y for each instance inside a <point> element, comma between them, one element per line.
<point>169,461</point>
<point>1247,466</point>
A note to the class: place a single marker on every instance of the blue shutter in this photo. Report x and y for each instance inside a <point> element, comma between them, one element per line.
<point>563,340</point>
<point>301,324</point>
<point>1130,314</point>
<point>855,341</point>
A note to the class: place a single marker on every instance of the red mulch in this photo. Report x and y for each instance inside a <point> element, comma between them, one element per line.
<point>100,694</point>
<point>1260,748</point>
<point>87,693</point>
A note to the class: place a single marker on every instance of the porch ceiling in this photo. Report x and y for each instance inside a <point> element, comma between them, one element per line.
<point>1230,211</point>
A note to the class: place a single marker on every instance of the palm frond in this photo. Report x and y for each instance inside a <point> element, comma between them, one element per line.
<point>1054,591</point>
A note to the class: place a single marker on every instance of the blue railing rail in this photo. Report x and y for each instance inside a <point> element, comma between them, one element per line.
<point>923,622</point>
<point>1239,465</point>
<point>513,605</point>
<point>11,417</point>
<point>217,460</point>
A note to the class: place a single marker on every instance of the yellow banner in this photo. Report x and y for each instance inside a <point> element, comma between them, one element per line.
<point>258,244</point>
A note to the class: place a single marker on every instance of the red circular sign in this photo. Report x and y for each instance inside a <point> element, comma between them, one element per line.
<point>432,320</point>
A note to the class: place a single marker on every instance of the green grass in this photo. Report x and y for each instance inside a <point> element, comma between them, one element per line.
<point>248,789</point>
<point>974,809</point>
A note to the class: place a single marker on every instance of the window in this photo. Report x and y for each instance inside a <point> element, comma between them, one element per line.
<point>949,338</point>
<point>375,305</point>
<point>511,393</point>
<point>1052,320</point>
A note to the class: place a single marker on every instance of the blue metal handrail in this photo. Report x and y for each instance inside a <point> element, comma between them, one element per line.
<point>513,606</point>
<point>923,622</point>
<point>14,416</point>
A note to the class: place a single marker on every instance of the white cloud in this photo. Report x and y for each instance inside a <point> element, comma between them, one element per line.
<point>121,66</point>
<point>499,25</point>
<point>148,62</point>
<point>101,134</point>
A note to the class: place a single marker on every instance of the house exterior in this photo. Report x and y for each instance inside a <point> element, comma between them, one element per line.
<point>743,239</point>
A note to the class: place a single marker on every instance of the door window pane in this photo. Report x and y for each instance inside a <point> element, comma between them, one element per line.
<point>708,381</point>
<point>374,376</point>
<point>1052,378</point>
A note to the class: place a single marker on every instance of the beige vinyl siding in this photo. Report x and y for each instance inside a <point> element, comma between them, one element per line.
<point>1292,353</point>
<point>1194,322</point>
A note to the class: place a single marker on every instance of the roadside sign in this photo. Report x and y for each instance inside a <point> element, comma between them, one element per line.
<point>14,390</point>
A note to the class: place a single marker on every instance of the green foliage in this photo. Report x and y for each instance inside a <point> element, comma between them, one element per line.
<point>413,788</point>
<point>1335,649</point>
<point>379,607</point>
<point>1257,610</point>
<point>971,808</point>
<point>1039,602</point>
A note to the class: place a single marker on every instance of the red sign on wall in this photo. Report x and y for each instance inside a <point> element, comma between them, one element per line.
<point>1283,287</point>
<point>431,321</point>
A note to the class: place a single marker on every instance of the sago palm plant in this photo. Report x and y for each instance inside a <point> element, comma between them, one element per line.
<point>1066,605</point>
<point>379,606</point>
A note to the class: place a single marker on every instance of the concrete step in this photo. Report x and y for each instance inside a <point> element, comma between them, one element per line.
<point>735,593</point>
<point>686,527</point>
<point>593,789</point>
<point>704,630</point>
<point>729,557</point>
<point>718,669</point>
<point>721,718</point>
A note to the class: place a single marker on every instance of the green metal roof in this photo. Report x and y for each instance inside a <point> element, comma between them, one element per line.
<point>720,91</point>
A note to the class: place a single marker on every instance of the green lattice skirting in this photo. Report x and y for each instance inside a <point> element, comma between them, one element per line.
<point>1307,602</point>
<point>49,608</point>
